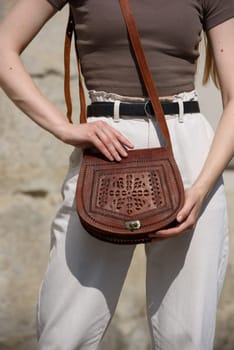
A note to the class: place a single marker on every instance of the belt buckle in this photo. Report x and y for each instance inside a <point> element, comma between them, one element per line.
<point>146,108</point>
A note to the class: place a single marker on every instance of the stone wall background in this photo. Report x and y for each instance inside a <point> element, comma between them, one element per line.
<point>32,168</point>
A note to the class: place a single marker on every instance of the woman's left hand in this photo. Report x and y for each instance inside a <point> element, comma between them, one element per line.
<point>188,215</point>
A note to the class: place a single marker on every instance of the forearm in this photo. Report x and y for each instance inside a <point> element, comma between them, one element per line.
<point>221,151</point>
<point>21,89</point>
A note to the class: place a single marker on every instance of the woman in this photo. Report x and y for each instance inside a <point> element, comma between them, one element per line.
<point>184,273</point>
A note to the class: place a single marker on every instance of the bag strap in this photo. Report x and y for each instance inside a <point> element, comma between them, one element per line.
<point>144,69</point>
<point>141,61</point>
<point>67,91</point>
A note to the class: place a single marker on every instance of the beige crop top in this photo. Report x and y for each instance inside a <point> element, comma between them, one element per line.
<point>170,33</point>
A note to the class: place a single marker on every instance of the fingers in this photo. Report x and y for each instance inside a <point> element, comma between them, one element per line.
<point>111,142</point>
<point>186,218</point>
<point>108,140</point>
<point>177,230</point>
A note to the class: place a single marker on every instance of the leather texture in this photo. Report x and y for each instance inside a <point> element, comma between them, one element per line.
<point>144,189</point>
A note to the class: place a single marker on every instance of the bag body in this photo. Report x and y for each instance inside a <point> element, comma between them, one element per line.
<point>127,202</point>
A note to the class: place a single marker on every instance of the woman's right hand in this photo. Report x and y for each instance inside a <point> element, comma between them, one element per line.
<point>109,141</point>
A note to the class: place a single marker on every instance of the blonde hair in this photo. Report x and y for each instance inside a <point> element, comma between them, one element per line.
<point>209,68</point>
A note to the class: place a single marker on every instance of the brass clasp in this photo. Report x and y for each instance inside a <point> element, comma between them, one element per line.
<point>133,225</point>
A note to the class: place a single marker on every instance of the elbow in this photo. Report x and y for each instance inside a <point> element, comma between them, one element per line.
<point>2,69</point>
<point>227,93</point>
<point>7,59</point>
<point>228,99</point>
<point>3,61</point>
<point>228,104</point>
<point>7,56</point>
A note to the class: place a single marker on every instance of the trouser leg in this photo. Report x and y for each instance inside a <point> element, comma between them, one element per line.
<point>184,280</point>
<point>82,284</point>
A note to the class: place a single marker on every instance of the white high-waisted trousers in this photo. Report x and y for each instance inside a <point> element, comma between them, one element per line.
<point>185,275</point>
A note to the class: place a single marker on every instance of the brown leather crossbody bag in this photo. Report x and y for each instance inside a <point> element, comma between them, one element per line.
<point>127,202</point>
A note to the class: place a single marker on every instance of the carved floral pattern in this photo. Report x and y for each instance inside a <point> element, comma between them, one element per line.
<point>130,193</point>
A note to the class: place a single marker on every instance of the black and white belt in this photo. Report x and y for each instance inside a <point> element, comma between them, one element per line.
<point>97,109</point>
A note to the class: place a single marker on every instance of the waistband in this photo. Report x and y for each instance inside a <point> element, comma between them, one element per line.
<point>103,96</point>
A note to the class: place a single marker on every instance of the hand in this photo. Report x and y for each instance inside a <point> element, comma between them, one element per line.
<point>188,215</point>
<point>99,134</point>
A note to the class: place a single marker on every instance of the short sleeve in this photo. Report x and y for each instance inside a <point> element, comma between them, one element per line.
<point>217,12</point>
<point>58,4</point>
